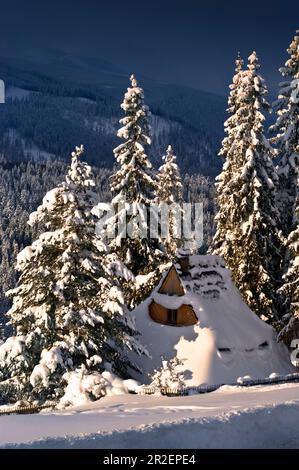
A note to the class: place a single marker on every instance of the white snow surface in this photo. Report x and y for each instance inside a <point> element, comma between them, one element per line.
<point>229,341</point>
<point>231,417</point>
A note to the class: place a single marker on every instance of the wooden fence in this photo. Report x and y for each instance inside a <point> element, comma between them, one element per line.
<point>169,392</point>
<point>25,410</point>
<point>211,388</point>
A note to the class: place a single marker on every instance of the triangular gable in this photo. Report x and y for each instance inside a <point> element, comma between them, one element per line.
<point>172,284</point>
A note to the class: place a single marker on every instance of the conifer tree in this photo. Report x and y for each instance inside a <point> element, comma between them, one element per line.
<point>233,153</point>
<point>169,194</point>
<point>286,130</point>
<point>251,247</point>
<point>232,123</point>
<point>286,138</point>
<point>68,312</point>
<point>133,187</point>
<point>169,376</point>
<point>290,287</point>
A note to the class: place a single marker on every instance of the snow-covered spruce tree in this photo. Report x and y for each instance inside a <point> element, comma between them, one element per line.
<point>251,246</point>
<point>170,193</point>
<point>286,138</point>
<point>233,152</point>
<point>169,375</point>
<point>68,313</point>
<point>133,187</point>
<point>290,287</point>
<point>234,103</point>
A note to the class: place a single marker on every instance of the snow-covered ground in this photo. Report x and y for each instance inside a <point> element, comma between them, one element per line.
<point>231,417</point>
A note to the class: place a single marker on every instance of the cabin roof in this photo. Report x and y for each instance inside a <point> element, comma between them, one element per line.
<point>171,283</point>
<point>203,276</point>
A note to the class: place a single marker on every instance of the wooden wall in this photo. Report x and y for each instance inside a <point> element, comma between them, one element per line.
<point>185,314</point>
<point>172,284</point>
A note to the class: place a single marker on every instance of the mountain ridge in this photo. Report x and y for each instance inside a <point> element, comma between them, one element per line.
<point>194,117</point>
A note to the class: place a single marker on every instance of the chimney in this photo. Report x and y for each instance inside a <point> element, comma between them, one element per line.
<point>184,264</point>
<point>183,260</point>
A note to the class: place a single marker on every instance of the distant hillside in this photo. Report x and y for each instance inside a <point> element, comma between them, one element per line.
<point>55,101</point>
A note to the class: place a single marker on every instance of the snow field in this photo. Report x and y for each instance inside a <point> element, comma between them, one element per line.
<point>265,416</point>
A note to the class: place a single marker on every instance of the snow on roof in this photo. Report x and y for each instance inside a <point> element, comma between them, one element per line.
<point>229,341</point>
<point>206,276</point>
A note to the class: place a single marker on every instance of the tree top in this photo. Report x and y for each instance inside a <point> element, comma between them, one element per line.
<point>134,82</point>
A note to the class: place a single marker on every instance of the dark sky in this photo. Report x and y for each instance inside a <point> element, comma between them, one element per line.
<point>189,42</point>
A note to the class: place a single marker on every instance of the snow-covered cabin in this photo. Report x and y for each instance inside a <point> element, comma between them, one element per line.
<point>169,306</point>
<point>197,314</point>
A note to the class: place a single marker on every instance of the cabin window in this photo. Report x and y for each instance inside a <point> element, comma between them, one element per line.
<point>172,317</point>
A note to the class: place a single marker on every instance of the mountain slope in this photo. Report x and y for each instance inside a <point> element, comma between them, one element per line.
<point>57,101</point>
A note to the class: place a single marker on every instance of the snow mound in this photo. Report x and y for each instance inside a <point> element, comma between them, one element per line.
<point>269,427</point>
<point>228,341</point>
<point>83,386</point>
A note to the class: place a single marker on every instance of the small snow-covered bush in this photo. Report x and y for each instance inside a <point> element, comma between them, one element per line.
<point>169,375</point>
<point>83,386</point>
